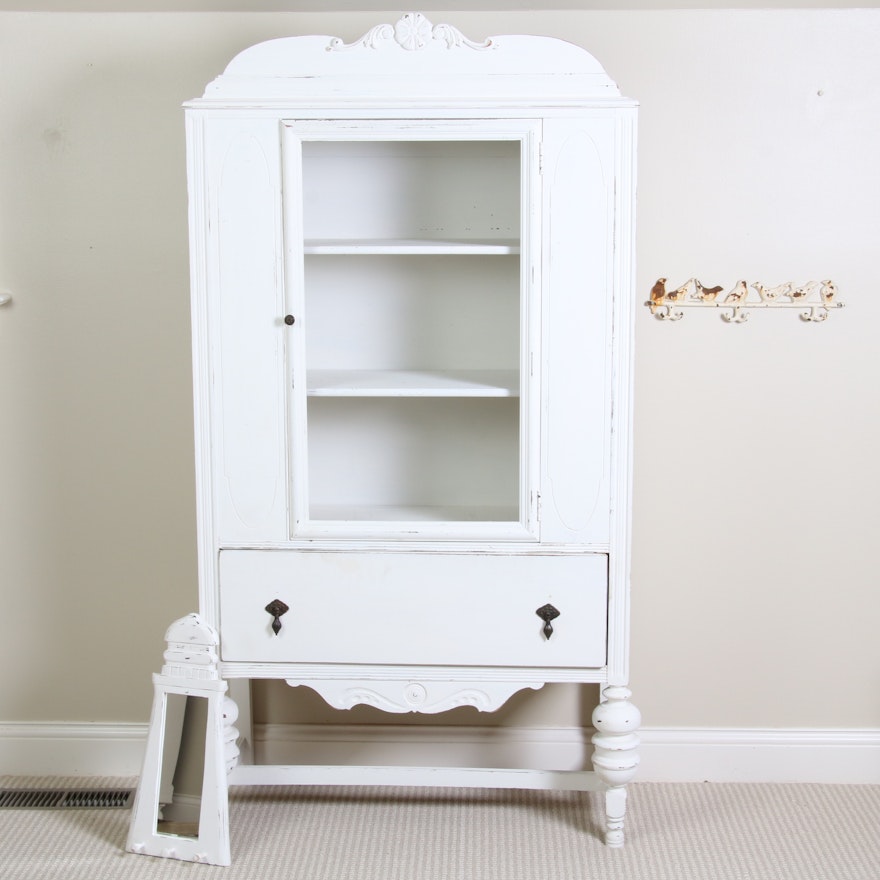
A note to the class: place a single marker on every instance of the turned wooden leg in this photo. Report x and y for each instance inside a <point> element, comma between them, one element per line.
<point>616,754</point>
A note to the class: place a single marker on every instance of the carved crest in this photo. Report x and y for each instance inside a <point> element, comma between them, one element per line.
<point>412,32</point>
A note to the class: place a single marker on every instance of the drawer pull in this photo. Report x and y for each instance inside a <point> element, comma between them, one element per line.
<point>547,613</point>
<point>276,608</point>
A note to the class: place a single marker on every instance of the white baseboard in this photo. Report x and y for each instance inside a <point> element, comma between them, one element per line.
<point>760,755</point>
<point>75,749</point>
<point>550,748</point>
<point>667,754</point>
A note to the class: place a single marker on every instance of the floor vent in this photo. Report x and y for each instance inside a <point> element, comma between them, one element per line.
<point>65,798</point>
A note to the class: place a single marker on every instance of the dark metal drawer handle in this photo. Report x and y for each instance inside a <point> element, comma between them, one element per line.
<point>548,613</point>
<point>276,608</point>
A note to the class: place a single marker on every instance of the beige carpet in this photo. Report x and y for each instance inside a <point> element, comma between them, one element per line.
<point>675,832</point>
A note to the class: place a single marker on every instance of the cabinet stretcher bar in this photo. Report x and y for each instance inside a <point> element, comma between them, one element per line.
<point>436,777</point>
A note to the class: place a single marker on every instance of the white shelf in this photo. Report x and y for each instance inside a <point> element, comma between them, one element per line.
<point>410,246</point>
<point>413,383</point>
<point>413,513</point>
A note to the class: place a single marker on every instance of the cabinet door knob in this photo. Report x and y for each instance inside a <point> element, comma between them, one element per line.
<point>276,608</point>
<point>289,320</point>
<point>548,613</point>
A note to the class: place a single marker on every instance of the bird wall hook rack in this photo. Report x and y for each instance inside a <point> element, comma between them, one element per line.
<point>815,299</point>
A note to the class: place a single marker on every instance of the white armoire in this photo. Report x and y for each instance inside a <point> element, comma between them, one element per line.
<point>412,266</point>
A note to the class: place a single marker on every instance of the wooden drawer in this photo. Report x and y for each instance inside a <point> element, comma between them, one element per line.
<point>449,609</point>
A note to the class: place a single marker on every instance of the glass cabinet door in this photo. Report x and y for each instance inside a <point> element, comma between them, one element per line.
<point>410,275</point>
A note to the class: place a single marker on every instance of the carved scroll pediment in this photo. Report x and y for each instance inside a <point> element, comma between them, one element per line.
<point>413,32</point>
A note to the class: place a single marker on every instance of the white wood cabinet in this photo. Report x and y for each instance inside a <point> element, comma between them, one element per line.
<point>412,294</point>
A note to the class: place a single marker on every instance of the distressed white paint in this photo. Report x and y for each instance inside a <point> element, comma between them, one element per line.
<point>616,754</point>
<point>446,180</point>
<point>440,777</point>
<point>190,669</point>
<point>578,159</point>
<point>514,69</point>
<point>244,309</point>
<point>413,608</point>
<point>414,695</point>
<point>415,461</point>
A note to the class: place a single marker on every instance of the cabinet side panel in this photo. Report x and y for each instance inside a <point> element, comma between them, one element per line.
<point>201,359</point>
<point>621,456</point>
<point>250,475</point>
<point>577,332</point>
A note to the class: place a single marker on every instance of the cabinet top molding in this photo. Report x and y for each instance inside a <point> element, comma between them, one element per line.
<point>412,62</point>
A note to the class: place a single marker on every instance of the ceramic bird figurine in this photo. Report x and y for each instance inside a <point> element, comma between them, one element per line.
<point>658,292</point>
<point>707,294</point>
<point>804,290</point>
<point>828,291</point>
<point>768,294</point>
<point>679,293</point>
<point>738,294</point>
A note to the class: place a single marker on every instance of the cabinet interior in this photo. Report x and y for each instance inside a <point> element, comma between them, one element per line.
<point>412,317</point>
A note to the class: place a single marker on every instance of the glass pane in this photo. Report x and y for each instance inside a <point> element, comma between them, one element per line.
<point>411,190</point>
<point>412,331</point>
<point>411,458</point>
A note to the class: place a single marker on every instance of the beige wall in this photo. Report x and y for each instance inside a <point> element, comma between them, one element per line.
<point>755,599</point>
